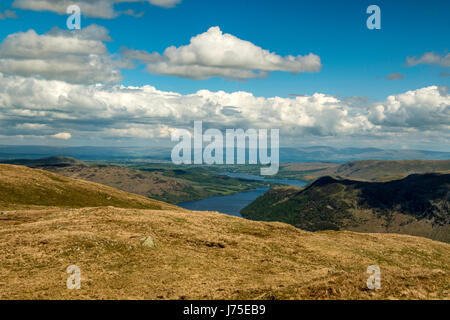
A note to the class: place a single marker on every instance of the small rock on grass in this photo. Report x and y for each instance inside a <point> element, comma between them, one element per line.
<point>148,242</point>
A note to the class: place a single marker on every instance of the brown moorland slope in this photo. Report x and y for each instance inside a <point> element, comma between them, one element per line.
<point>198,255</point>
<point>148,184</point>
<point>21,186</point>
<point>201,255</point>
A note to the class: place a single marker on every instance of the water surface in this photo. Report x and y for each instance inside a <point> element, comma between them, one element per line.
<point>233,204</point>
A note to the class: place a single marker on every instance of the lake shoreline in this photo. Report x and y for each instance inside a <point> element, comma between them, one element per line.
<point>233,204</point>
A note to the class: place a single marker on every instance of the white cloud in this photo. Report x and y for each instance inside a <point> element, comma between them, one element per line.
<point>90,8</point>
<point>31,126</point>
<point>62,136</point>
<point>142,131</point>
<point>215,54</point>
<point>165,3</point>
<point>422,108</point>
<point>77,57</point>
<point>102,113</point>
<point>429,58</point>
<point>131,111</point>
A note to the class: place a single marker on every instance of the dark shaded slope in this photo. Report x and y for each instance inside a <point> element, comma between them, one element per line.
<point>334,204</point>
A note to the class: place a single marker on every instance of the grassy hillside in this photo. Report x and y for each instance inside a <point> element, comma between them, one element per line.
<point>149,184</point>
<point>201,255</point>
<point>163,182</point>
<point>22,186</point>
<point>417,205</point>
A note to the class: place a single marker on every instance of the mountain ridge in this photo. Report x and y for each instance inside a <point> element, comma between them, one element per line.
<point>368,170</point>
<point>405,205</point>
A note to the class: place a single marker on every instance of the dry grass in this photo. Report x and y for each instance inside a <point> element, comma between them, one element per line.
<point>148,184</point>
<point>203,255</point>
<point>22,186</point>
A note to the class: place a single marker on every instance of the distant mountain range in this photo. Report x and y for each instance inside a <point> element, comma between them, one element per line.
<point>300,154</point>
<point>370,170</point>
<point>330,154</point>
<point>83,153</point>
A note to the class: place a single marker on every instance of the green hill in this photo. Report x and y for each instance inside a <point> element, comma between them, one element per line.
<point>416,205</point>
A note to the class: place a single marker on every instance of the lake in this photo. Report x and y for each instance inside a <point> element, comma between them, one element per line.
<point>233,204</point>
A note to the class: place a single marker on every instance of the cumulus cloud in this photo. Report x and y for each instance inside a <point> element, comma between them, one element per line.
<point>62,136</point>
<point>142,131</point>
<point>425,108</point>
<point>140,111</point>
<point>31,126</point>
<point>218,54</point>
<point>165,3</point>
<point>429,58</point>
<point>102,113</point>
<point>74,56</point>
<point>90,8</point>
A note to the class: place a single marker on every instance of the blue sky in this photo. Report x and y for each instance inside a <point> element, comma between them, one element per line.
<point>355,61</point>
